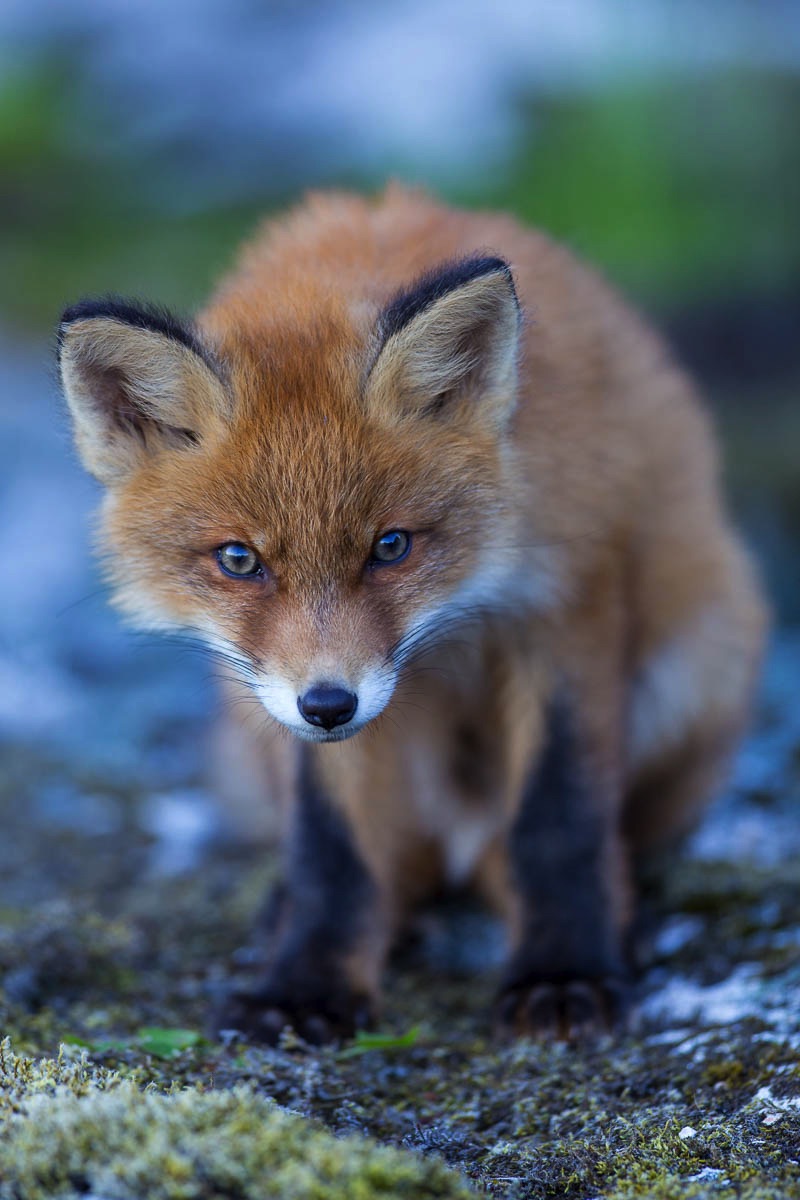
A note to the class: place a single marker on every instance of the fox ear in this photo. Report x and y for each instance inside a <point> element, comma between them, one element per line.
<point>137,380</point>
<point>454,334</point>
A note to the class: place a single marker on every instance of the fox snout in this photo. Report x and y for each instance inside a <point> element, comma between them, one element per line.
<point>327,708</point>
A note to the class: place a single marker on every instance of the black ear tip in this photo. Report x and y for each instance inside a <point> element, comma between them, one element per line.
<point>476,266</point>
<point>436,284</point>
<point>74,312</point>
<point>151,317</point>
<point>492,262</point>
<point>501,266</point>
<point>115,307</point>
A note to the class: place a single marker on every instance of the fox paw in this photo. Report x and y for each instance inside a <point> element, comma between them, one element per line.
<point>569,1010</point>
<point>262,1013</point>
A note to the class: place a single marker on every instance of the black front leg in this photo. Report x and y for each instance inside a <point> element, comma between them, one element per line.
<point>327,926</point>
<point>566,976</point>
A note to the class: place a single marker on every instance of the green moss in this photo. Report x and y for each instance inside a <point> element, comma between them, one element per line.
<point>647,1156</point>
<point>68,1129</point>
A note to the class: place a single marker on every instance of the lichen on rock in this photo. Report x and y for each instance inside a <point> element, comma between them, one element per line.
<point>70,1130</point>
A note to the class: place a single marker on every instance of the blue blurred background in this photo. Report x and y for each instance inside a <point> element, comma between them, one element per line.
<point>140,142</point>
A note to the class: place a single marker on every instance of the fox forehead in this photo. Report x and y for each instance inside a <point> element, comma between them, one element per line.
<point>306,474</point>
<point>296,447</point>
<point>315,360</point>
<point>299,477</point>
<point>302,449</point>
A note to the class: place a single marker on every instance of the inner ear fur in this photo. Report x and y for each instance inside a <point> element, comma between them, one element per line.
<point>452,335</point>
<point>137,380</point>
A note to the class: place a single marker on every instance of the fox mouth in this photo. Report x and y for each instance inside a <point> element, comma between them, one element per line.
<point>340,734</point>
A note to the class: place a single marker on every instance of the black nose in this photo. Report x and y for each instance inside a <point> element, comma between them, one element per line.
<point>327,706</point>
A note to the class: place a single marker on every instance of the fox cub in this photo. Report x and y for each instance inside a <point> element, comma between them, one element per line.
<point>451,513</point>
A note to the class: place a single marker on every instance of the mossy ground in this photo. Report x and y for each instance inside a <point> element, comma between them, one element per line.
<point>702,1098</point>
<point>69,1130</point>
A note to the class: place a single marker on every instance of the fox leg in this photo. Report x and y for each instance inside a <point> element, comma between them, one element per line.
<point>568,871</point>
<point>566,865</point>
<point>329,932</point>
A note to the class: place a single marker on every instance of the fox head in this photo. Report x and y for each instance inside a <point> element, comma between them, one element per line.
<point>317,489</point>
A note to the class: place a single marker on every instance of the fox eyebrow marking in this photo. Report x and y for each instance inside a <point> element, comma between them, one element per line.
<point>152,317</point>
<point>434,285</point>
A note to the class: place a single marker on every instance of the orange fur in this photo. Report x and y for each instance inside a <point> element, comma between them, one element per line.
<point>569,517</point>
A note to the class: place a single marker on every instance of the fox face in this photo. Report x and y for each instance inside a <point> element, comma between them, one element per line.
<point>316,499</point>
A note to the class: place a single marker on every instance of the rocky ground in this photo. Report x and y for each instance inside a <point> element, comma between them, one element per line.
<point>125,905</point>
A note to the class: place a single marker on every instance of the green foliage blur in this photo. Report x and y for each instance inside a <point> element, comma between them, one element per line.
<point>680,188</point>
<point>80,215</point>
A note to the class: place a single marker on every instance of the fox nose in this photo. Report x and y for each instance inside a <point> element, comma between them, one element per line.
<point>327,706</point>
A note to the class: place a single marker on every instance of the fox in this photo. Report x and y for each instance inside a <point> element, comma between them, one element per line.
<point>449,511</point>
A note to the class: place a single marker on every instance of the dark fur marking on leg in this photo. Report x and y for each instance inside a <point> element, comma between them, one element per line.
<point>326,905</point>
<point>566,974</point>
<point>328,885</point>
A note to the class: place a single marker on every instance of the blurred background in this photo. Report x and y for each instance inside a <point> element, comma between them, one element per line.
<point>139,143</point>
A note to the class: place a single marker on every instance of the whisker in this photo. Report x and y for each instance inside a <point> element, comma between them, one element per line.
<point>100,591</point>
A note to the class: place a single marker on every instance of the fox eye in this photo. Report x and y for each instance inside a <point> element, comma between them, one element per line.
<point>391,547</point>
<point>238,560</point>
